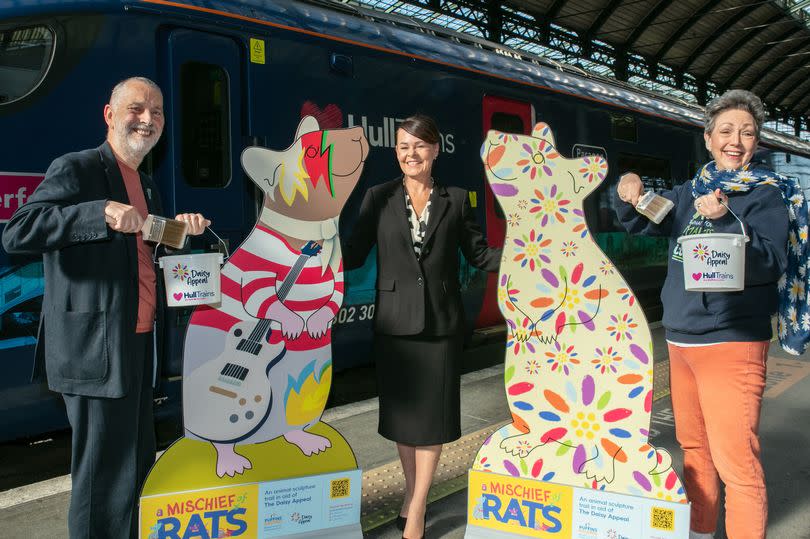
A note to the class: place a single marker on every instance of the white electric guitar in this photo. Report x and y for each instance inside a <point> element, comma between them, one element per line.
<point>228,398</point>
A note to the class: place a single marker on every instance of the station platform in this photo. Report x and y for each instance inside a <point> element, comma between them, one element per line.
<point>40,510</point>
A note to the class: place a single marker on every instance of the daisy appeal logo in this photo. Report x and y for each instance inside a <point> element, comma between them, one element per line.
<point>711,257</point>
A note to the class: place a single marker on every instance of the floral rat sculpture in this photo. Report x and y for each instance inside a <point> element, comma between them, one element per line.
<point>578,370</point>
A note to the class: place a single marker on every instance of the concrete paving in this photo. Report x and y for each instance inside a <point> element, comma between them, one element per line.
<point>39,510</point>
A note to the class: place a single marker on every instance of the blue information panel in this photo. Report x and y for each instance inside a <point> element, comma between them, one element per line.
<point>306,504</point>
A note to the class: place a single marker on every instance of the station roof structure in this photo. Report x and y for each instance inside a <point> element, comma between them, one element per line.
<point>691,49</point>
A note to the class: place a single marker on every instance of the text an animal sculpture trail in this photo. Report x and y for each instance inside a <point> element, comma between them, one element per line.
<point>578,367</point>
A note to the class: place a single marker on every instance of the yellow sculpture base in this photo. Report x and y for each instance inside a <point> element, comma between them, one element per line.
<point>191,464</point>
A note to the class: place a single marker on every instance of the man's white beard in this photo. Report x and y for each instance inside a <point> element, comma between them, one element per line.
<point>135,146</point>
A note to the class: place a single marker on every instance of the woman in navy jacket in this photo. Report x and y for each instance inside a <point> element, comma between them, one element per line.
<point>418,226</point>
<point>718,341</point>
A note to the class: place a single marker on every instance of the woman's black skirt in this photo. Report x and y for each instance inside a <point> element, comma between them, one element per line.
<point>418,380</point>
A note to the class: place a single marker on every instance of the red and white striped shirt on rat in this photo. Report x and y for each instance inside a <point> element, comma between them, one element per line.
<point>250,281</point>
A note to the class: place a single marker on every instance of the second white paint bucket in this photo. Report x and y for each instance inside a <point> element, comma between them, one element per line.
<point>714,262</point>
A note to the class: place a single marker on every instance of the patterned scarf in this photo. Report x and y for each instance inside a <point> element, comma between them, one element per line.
<point>794,304</point>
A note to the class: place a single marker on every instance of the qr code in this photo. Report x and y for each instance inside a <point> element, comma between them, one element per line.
<point>663,519</point>
<point>340,488</point>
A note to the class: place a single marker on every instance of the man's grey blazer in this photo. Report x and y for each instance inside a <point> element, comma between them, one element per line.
<point>90,306</point>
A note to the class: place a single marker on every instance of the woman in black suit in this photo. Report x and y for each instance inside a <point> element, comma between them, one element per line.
<point>418,226</point>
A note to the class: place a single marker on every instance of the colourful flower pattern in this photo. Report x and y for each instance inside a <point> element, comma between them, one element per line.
<point>549,205</point>
<point>580,227</point>
<point>578,418</point>
<point>562,358</point>
<point>520,335</point>
<point>593,167</point>
<point>621,327</point>
<point>606,360</point>
<point>532,250</point>
<point>569,248</point>
<point>572,301</point>
<point>537,158</point>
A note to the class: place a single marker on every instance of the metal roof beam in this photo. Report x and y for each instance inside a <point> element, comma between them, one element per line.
<point>803,106</point>
<point>600,21</point>
<point>720,32</point>
<point>798,85</point>
<point>737,46</point>
<point>686,26</point>
<point>646,22</point>
<point>789,56</point>
<point>802,96</point>
<point>555,9</point>
<point>780,81</point>
<point>749,61</point>
<point>549,16</point>
<point>800,5</point>
<point>495,21</point>
<point>620,67</point>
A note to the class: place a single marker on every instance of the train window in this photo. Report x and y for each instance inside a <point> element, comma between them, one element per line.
<point>205,125</point>
<point>508,123</point>
<point>22,321</point>
<point>21,290</point>
<point>25,54</point>
<point>631,253</point>
<point>623,127</point>
<point>655,174</point>
<point>654,171</point>
<point>795,166</point>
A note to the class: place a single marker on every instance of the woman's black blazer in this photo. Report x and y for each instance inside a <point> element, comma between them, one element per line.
<point>418,295</point>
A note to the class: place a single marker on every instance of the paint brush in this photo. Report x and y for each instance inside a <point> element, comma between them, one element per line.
<point>166,231</point>
<point>654,207</point>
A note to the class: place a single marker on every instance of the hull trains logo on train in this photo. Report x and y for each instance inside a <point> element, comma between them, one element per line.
<point>257,368</point>
<point>15,188</point>
<point>578,366</point>
<point>380,131</point>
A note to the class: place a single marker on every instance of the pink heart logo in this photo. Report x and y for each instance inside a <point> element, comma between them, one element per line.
<point>696,276</point>
<point>177,296</point>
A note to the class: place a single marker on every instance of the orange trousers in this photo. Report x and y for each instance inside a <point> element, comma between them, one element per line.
<point>716,396</point>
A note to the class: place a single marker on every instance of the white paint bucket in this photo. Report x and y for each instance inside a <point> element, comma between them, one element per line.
<point>714,262</point>
<point>192,279</point>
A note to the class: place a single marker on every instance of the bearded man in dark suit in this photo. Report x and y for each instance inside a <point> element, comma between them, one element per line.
<point>101,312</point>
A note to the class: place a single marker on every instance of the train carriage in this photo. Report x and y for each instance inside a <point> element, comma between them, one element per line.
<point>236,74</point>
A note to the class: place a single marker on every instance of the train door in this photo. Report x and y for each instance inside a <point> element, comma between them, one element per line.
<point>204,124</point>
<point>509,116</point>
<point>204,114</point>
